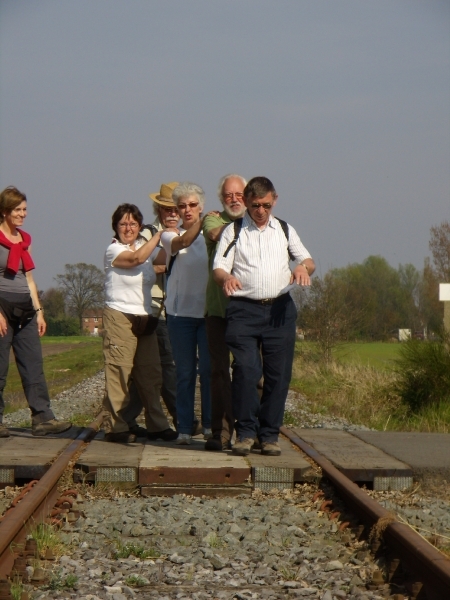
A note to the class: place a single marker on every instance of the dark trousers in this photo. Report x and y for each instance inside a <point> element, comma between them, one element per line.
<point>27,350</point>
<point>169,377</point>
<point>261,339</point>
<point>222,420</point>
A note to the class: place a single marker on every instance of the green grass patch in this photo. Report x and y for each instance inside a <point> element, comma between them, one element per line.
<point>83,359</point>
<point>362,388</point>
<point>131,549</point>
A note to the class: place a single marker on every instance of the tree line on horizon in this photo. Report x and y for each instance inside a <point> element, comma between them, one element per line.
<point>367,301</point>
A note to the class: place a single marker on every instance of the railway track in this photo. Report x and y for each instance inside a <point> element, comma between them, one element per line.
<point>430,568</point>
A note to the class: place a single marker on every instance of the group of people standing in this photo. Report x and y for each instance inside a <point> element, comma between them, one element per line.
<point>183,293</point>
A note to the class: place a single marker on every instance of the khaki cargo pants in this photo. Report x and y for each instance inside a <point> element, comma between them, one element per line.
<point>125,356</point>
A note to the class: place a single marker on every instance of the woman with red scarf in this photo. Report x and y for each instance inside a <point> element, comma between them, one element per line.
<point>21,316</point>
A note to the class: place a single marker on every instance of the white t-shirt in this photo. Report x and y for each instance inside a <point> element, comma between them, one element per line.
<point>186,286</point>
<point>129,290</point>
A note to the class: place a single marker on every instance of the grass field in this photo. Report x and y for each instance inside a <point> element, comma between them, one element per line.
<point>380,355</point>
<point>77,357</point>
<point>359,386</point>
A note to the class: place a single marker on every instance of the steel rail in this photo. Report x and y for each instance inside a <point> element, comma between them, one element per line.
<point>37,504</point>
<point>430,566</point>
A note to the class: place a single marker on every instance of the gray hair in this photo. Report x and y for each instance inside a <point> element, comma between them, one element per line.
<point>224,179</point>
<point>186,189</point>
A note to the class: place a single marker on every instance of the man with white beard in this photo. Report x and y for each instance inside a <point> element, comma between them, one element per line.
<point>230,192</point>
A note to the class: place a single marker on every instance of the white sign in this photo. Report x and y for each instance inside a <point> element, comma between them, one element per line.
<point>444,292</point>
<point>404,334</point>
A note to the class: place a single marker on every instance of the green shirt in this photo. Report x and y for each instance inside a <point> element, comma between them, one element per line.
<point>216,301</point>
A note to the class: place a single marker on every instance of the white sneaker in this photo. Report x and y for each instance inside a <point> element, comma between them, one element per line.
<point>207,434</point>
<point>183,439</point>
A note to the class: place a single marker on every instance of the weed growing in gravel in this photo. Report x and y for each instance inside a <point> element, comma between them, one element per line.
<point>135,581</point>
<point>82,420</point>
<point>47,538</point>
<point>130,548</point>
<point>16,590</point>
<point>290,419</point>
<point>58,582</point>
<point>214,541</point>
<point>288,574</point>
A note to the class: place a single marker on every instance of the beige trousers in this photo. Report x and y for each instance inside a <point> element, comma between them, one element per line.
<point>127,355</point>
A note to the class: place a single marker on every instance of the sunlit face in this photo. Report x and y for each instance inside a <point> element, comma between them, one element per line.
<point>260,208</point>
<point>189,210</point>
<point>17,216</point>
<point>128,229</point>
<point>168,216</point>
<point>233,197</point>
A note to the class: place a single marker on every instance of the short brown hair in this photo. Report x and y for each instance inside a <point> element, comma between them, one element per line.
<point>126,209</point>
<point>10,199</point>
<point>258,187</point>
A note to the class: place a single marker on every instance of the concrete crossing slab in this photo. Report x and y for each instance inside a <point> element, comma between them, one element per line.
<point>428,454</point>
<point>357,459</point>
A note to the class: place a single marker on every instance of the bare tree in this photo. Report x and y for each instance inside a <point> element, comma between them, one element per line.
<point>440,249</point>
<point>83,288</point>
<point>328,316</point>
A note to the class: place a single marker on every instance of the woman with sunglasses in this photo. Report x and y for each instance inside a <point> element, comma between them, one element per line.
<point>187,276</point>
<point>130,346</point>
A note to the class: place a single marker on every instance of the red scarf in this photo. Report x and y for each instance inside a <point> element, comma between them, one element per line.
<point>18,252</point>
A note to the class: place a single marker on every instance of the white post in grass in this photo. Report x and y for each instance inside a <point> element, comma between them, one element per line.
<point>444,296</point>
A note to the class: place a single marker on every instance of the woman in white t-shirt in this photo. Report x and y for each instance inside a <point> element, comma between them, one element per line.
<point>187,276</point>
<point>130,346</point>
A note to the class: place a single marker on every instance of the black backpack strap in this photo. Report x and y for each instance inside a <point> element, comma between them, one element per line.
<point>169,268</point>
<point>237,231</point>
<point>285,228</point>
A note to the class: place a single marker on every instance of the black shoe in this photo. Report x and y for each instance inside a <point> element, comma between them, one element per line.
<point>214,444</point>
<point>124,437</point>
<point>139,431</point>
<point>168,435</point>
<point>4,433</point>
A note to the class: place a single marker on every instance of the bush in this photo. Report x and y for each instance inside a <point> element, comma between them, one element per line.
<point>423,370</point>
<point>63,326</point>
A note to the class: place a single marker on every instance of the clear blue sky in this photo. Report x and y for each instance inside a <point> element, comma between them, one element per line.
<point>344,104</point>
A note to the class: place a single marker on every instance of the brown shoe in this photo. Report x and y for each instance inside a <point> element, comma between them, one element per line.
<point>243,447</point>
<point>124,437</point>
<point>4,431</point>
<point>270,448</point>
<point>50,427</point>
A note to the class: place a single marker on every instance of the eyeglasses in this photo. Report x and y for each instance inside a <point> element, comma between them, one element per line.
<point>169,209</point>
<point>230,195</point>
<point>190,204</point>
<point>265,205</point>
<point>129,225</point>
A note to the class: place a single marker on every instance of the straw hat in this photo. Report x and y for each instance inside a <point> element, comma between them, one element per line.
<point>164,198</point>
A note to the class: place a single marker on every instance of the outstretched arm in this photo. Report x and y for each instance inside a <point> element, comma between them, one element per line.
<point>128,259</point>
<point>229,283</point>
<point>302,273</point>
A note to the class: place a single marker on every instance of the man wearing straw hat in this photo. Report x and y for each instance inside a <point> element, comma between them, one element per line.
<point>166,216</point>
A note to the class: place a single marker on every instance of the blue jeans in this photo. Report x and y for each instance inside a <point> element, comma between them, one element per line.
<point>187,336</point>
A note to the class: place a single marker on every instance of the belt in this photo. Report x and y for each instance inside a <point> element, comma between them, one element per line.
<point>263,301</point>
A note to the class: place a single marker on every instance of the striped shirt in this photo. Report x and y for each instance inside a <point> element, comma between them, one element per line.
<point>260,259</point>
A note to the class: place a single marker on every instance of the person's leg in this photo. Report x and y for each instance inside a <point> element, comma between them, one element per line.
<point>222,420</point>
<point>244,323</point>
<point>183,338</point>
<point>28,354</point>
<point>119,348</point>
<point>147,377</point>
<point>278,342</point>
<point>5,347</point>
<point>204,368</point>
<point>169,373</point>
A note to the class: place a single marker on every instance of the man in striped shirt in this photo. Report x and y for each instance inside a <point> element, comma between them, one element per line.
<point>255,274</point>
